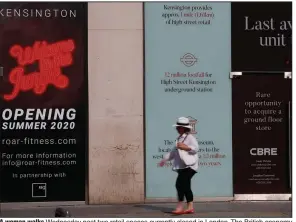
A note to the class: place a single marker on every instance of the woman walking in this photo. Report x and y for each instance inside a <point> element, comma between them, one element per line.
<point>185,164</point>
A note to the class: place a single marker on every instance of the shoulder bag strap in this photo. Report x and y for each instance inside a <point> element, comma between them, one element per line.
<point>185,137</point>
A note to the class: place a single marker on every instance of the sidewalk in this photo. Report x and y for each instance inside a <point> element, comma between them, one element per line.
<point>203,210</point>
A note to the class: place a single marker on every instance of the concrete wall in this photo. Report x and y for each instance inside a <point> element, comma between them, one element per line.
<point>115,51</point>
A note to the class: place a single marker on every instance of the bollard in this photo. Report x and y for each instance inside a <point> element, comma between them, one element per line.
<point>60,212</point>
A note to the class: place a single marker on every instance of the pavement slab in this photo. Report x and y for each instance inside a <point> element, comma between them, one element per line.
<point>271,209</point>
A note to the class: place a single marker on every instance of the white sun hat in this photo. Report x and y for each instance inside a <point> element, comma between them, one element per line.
<point>183,122</point>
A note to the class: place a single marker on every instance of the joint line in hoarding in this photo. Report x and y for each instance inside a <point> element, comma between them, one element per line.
<point>266,72</point>
<point>290,145</point>
<point>287,75</point>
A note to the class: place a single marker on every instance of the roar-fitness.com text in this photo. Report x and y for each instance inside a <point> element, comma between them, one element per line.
<point>39,141</point>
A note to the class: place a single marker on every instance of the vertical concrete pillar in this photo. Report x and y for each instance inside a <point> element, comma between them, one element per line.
<point>115,61</point>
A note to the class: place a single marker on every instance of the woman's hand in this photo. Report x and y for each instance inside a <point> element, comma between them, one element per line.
<point>183,146</point>
<point>161,163</point>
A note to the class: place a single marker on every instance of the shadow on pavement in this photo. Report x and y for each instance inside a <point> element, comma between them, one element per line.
<point>166,210</point>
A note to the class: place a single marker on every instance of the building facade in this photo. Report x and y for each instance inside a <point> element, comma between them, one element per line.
<point>120,75</point>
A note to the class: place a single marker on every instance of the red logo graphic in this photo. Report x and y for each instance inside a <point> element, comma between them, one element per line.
<point>50,57</point>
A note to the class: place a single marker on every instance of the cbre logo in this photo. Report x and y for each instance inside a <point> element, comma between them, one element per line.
<point>263,151</point>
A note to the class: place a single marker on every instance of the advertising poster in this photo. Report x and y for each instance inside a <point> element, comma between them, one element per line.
<point>44,104</point>
<point>261,36</point>
<point>261,128</point>
<point>187,65</point>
